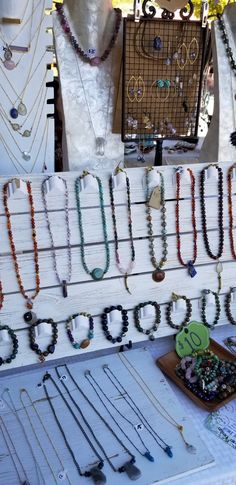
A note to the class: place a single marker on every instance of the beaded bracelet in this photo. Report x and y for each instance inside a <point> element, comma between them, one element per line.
<point>157,320</point>
<point>170,308</point>
<point>31,317</point>
<point>125,324</point>
<point>14,340</point>
<point>85,343</point>
<point>203,312</point>
<point>227,306</point>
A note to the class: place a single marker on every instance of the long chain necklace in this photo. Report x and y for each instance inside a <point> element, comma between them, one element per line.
<point>15,413</point>
<point>94,61</point>
<point>62,281</point>
<point>7,62</point>
<point>96,273</point>
<point>29,300</point>
<point>230,205</point>
<point>154,400</point>
<point>232,62</point>
<point>131,403</point>
<point>216,256</point>
<point>128,467</point>
<point>88,375</point>
<point>5,433</point>
<point>190,264</point>
<point>100,141</point>
<point>129,269</point>
<point>62,472</point>
<point>158,274</point>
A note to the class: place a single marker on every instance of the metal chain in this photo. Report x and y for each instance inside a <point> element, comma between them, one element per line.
<point>24,481</point>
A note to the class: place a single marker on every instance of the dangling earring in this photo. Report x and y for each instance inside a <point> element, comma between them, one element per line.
<point>193,55</point>
<point>157,43</point>
<point>182,61</point>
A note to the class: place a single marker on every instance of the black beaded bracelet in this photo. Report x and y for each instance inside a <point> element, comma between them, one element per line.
<point>203,312</point>
<point>156,323</point>
<point>228,306</point>
<point>14,340</point>
<point>30,317</point>
<point>125,324</point>
<point>170,308</point>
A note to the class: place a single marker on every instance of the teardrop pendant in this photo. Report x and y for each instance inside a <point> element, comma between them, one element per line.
<point>22,109</point>
<point>26,156</point>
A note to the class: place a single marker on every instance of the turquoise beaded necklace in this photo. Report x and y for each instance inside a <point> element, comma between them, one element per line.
<point>95,273</point>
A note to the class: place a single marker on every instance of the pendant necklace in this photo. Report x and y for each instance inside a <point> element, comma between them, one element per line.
<point>29,300</point>
<point>100,141</point>
<point>14,454</point>
<point>94,61</point>
<point>125,271</point>
<point>93,383</point>
<point>62,281</point>
<point>232,63</point>
<point>217,256</point>
<point>154,400</point>
<point>132,405</point>
<point>62,474</point>
<point>95,273</point>
<point>158,274</point>
<point>231,171</point>
<point>190,264</point>
<point>14,412</point>
<point>129,467</point>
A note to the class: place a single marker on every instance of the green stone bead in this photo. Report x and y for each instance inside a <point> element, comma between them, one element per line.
<point>97,274</point>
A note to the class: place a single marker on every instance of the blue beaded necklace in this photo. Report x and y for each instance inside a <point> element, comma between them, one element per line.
<point>96,273</point>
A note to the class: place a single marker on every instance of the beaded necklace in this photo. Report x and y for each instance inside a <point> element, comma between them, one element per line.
<point>29,300</point>
<point>94,61</point>
<point>189,265</point>
<point>62,281</point>
<point>230,205</point>
<point>96,273</point>
<point>132,471</point>
<point>158,275</point>
<point>128,270</point>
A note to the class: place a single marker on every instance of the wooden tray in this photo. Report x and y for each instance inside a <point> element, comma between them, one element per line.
<point>169,361</point>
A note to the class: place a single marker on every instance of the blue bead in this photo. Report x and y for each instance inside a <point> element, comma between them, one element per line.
<point>157,43</point>
<point>149,456</point>
<point>14,113</point>
<point>168,451</point>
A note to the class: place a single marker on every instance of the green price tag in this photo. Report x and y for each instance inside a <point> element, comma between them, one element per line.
<point>191,338</point>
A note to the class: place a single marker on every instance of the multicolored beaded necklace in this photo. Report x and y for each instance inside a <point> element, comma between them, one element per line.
<point>96,273</point>
<point>129,269</point>
<point>93,61</point>
<point>29,300</point>
<point>190,264</point>
<point>158,275</point>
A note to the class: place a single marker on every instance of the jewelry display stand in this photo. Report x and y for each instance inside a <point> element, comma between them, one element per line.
<point>217,144</point>
<point>34,153</point>
<point>88,93</point>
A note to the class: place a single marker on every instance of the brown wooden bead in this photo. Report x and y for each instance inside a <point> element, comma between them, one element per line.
<point>85,343</point>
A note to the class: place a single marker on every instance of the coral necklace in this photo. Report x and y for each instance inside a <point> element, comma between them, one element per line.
<point>93,61</point>
<point>29,300</point>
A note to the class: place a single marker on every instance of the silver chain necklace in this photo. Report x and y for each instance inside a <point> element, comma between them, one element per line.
<point>14,454</point>
<point>63,282</point>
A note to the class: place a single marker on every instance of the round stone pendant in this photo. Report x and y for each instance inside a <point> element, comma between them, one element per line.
<point>97,274</point>
<point>158,275</point>
<point>26,133</point>
<point>26,156</point>
<point>9,65</point>
<point>14,113</point>
<point>22,109</point>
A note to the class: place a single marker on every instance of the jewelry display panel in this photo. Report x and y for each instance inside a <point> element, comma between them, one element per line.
<point>162,72</point>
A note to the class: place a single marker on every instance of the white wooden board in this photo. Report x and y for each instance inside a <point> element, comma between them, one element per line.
<point>84,294</point>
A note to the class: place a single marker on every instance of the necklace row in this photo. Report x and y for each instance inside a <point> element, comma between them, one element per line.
<point>117,315</point>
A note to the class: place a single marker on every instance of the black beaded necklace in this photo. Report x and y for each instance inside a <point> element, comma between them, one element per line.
<point>220,212</point>
<point>228,306</point>
<point>125,324</point>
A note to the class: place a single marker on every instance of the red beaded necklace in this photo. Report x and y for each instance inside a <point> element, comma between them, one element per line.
<point>29,300</point>
<point>189,265</point>
<point>93,61</point>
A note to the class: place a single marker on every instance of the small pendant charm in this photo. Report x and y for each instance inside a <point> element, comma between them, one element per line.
<point>98,476</point>
<point>26,133</point>
<point>29,304</point>
<point>149,456</point>
<point>14,113</point>
<point>7,53</point>
<point>95,61</point>
<point>64,289</point>
<point>157,43</point>
<point>26,156</point>
<point>97,274</point>
<point>9,65</point>
<point>191,449</point>
<point>15,126</point>
<point>22,109</point>
<point>158,275</point>
<point>100,146</point>
<point>132,471</point>
<point>191,270</point>
<point>169,451</point>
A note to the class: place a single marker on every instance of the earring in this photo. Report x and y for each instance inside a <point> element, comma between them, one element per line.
<point>139,89</point>
<point>182,61</point>
<point>168,60</point>
<point>130,89</point>
<point>160,83</point>
<point>194,53</point>
<point>132,122</point>
<point>157,43</point>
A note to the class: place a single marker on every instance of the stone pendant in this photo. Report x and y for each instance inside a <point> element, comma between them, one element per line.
<point>22,110</point>
<point>158,275</point>
<point>9,65</point>
<point>26,156</point>
<point>157,43</point>
<point>100,146</point>
<point>98,476</point>
<point>132,471</point>
<point>64,289</point>
<point>191,270</point>
<point>97,274</point>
